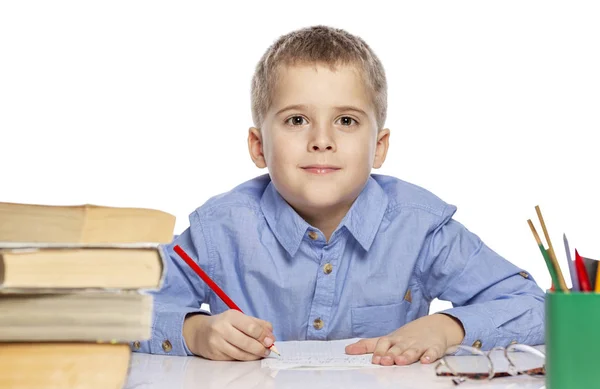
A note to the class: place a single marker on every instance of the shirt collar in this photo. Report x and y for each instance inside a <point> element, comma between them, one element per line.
<point>362,220</point>
<point>365,216</point>
<point>289,228</point>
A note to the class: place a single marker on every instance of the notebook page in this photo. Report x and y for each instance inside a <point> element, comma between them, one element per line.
<point>316,354</point>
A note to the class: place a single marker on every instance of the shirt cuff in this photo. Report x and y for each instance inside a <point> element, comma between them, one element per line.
<point>167,332</point>
<point>476,325</point>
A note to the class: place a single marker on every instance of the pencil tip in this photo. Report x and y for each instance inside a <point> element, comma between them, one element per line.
<point>274,349</point>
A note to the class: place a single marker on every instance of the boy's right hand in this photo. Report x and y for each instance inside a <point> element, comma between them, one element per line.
<point>228,336</point>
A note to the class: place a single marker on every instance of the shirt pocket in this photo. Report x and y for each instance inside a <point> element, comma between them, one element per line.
<point>378,320</point>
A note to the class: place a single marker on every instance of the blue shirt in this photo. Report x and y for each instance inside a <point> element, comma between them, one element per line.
<point>396,249</point>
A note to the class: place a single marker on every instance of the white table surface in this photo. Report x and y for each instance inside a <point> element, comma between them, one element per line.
<point>171,372</point>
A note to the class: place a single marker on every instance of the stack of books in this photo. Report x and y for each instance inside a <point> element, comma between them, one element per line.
<point>72,292</point>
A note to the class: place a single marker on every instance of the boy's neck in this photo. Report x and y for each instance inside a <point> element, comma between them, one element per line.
<point>326,221</point>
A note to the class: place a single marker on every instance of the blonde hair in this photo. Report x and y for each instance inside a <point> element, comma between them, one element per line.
<point>318,45</point>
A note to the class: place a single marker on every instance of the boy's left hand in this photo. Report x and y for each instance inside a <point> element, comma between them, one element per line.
<point>426,338</point>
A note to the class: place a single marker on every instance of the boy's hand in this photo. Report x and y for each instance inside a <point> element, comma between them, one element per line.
<point>228,336</point>
<point>426,338</point>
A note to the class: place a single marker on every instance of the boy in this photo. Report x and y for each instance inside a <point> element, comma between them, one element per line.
<point>322,249</point>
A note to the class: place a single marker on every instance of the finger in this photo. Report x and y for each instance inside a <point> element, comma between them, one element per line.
<point>238,354</point>
<point>410,355</point>
<point>254,328</point>
<point>432,354</point>
<point>215,350</point>
<point>363,346</point>
<point>266,324</point>
<point>381,349</point>
<point>246,343</point>
<point>394,349</point>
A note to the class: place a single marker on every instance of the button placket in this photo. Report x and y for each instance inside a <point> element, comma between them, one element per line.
<point>319,319</point>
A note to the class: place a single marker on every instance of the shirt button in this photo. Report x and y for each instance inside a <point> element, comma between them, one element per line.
<point>408,296</point>
<point>167,346</point>
<point>328,268</point>
<point>136,345</point>
<point>477,344</point>
<point>524,274</point>
<point>318,323</point>
<point>313,235</point>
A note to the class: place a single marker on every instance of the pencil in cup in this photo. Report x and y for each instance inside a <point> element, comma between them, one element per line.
<point>584,280</point>
<point>222,295</point>
<point>572,270</point>
<point>550,251</point>
<point>551,269</point>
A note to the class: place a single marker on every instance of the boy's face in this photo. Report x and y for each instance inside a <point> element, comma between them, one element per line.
<point>319,138</point>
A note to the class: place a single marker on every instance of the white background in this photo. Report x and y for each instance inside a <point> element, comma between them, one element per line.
<point>493,106</point>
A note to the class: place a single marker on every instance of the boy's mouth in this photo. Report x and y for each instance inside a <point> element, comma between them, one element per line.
<point>320,169</point>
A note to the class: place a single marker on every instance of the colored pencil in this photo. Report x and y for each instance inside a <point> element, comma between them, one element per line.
<point>591,267</point>
<point>584,280</point>
<point>559,275</point>
<point>547,258</point>
<point>571,263</point>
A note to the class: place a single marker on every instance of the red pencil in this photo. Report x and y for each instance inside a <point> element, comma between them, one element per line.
<point>584,281</point>
<point>212,284</point>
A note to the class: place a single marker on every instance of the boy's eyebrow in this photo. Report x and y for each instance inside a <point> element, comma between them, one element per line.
<point>292,107</point>
<point>351,108</point>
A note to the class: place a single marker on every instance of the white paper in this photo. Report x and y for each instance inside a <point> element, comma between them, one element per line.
<point>316,354</point>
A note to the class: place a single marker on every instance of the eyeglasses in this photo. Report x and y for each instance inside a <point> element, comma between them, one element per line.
<point>479,365</point>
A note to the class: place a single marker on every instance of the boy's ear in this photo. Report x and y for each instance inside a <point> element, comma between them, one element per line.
<point>255,147</point>
<point>383,142</point>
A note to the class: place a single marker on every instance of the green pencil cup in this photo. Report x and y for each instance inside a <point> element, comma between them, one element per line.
<point>572,340</point>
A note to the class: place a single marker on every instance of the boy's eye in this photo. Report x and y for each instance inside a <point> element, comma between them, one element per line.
<point>347,121</point>
<point>296,121</point>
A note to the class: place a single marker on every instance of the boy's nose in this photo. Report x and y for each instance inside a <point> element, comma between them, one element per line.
<point>322,141</point>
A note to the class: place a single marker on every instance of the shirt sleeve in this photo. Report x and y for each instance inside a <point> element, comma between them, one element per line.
<point>182,292</point>
<point>496,302</point>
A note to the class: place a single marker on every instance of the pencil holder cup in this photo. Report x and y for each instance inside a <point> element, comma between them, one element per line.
<point>572,340</point>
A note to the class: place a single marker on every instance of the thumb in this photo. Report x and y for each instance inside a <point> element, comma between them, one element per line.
<point>363,346</point>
